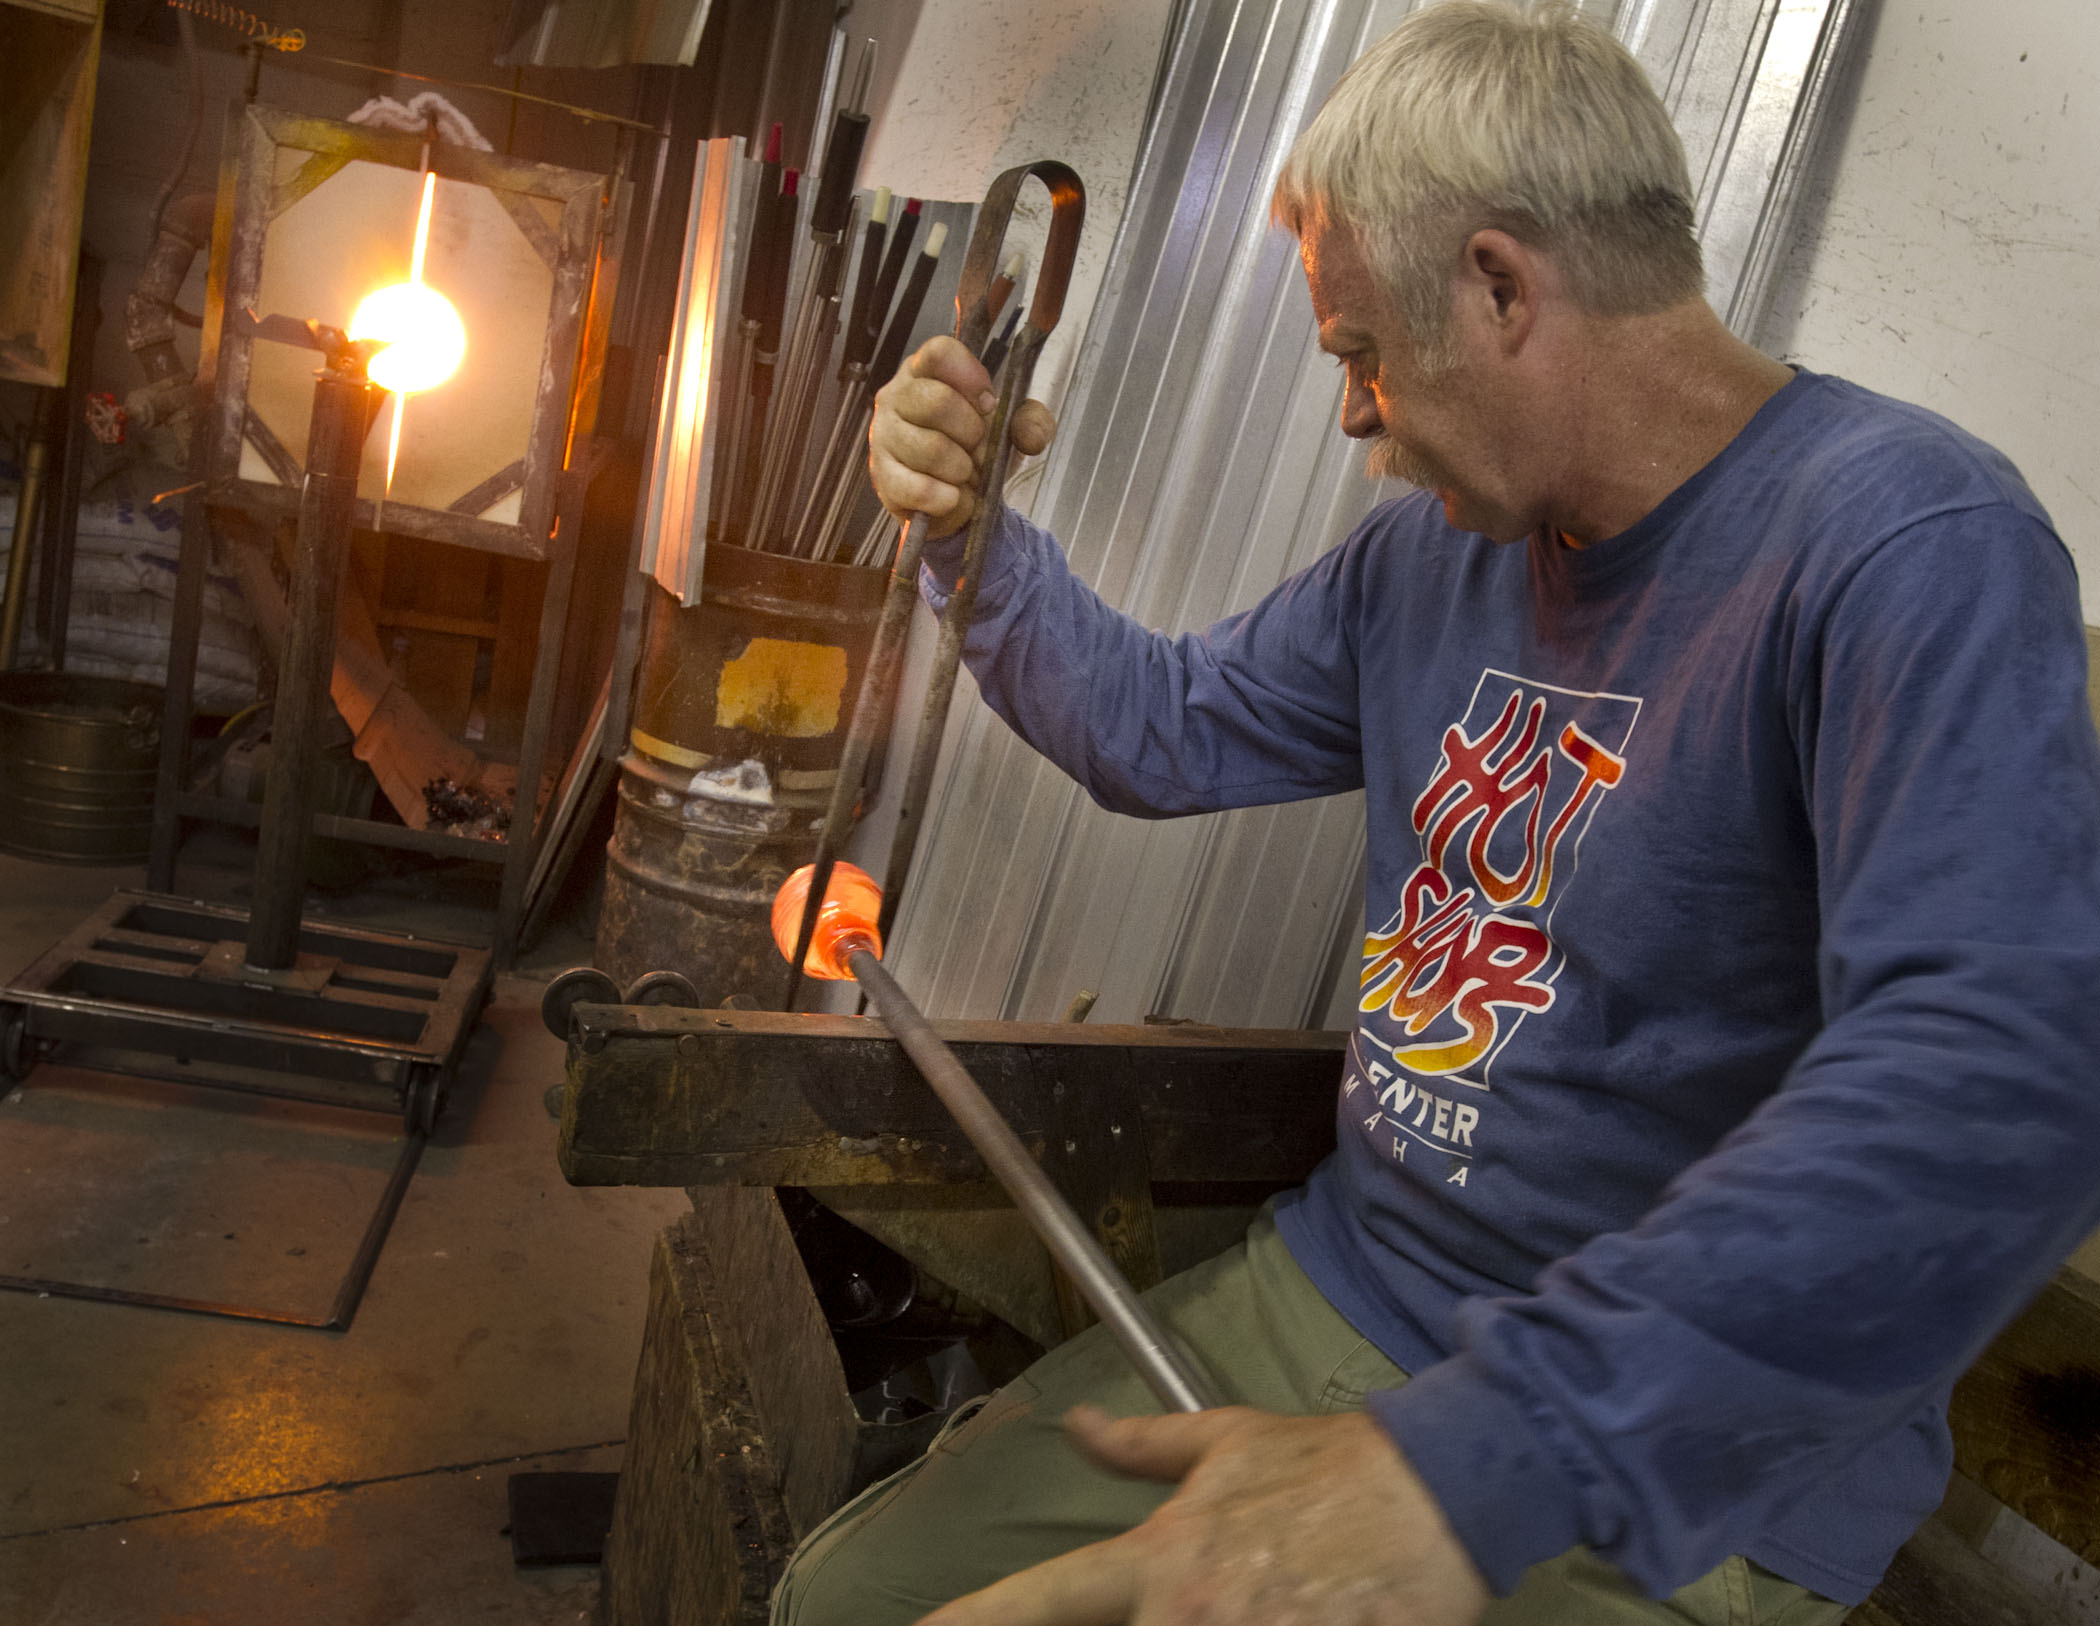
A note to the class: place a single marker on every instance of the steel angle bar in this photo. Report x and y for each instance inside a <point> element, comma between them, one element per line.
<point>342,1309</point>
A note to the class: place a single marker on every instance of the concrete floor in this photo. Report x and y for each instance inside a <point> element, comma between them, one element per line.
<point>164,1469</point>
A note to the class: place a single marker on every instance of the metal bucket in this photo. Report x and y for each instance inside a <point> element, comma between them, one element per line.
<point>78,757</point>
<point>741,709</point>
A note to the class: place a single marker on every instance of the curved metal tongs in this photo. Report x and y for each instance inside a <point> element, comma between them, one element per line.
<point>973,324</point>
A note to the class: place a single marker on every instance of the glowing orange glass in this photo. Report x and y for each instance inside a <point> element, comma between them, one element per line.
<point>852,905</point>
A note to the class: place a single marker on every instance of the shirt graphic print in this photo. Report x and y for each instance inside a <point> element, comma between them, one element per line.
<point>1467,954</point>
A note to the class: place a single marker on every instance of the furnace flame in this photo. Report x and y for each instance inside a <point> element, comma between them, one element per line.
<point>425,339</point>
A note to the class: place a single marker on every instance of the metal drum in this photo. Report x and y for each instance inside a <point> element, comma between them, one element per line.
<point>741,709</point>
<point>77,762</point>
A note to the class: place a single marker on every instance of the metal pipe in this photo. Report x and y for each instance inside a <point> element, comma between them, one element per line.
<point>955,628</point>
<point>26,503</point>
<point>878,683</point>
<point>1169,1374</point>
<point>342,413</point>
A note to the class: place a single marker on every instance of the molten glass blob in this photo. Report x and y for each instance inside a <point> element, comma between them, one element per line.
<point>425,339</point>
<point>852,905</point>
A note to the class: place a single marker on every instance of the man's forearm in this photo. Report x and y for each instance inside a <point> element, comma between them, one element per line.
<point>1154,725</point>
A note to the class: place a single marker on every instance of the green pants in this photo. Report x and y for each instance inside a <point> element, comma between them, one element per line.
<point>1002,1490</point>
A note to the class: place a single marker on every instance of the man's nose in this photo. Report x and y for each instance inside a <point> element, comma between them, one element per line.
<point>1360,416</point>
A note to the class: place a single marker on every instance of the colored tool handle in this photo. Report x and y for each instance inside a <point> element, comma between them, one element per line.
<point>849,132</point>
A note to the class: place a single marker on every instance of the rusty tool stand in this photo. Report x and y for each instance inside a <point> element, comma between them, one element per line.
<point>269,1005</point>
<point>165,987</point>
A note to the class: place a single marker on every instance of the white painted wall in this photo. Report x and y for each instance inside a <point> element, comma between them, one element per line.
<point>1956,260</point>
<point>967,89</point>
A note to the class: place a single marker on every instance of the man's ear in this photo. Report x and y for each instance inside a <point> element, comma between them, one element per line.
<point>1500,279</point>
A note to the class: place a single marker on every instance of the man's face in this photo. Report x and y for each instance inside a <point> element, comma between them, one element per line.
<point>1422,423</point>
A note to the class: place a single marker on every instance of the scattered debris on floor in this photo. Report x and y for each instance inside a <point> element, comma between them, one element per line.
<point>460,810</point>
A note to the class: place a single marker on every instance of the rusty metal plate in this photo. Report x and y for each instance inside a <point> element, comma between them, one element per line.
<point>709,1097</point>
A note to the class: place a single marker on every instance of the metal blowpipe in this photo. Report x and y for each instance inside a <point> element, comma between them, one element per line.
<point>871,709</point>
<point>845,945</point>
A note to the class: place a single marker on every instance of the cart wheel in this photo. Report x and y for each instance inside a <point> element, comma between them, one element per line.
<point>662,988</point>
<point>424,1100</point>
<point>579,985</point>
<point>17,1054</point>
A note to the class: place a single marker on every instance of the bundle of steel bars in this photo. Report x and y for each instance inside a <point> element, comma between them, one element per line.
<point>797,303</point>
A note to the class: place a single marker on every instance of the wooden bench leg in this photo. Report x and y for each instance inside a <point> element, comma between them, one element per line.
<point>741,1435</point>
<point>1096,1152</point>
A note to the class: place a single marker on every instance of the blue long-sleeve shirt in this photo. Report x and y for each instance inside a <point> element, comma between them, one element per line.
<point>1725,1068</point>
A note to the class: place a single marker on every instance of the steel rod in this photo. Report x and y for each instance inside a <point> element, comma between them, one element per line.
<point>171,775</point>
<point>955,628</point>
<point>351,1291</point>
<point>26,518</point>
<point>527,830</point>
<point>342,412</point>
<point>848,485</point>
<point>871,708</point>
<point>1169,1374</point>
<point>834,467</point>
<point>794,392</point>
<point>729,468</point>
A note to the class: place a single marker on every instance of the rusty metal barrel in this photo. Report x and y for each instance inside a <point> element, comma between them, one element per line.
<point>78,756</point>
<point>742,703</point>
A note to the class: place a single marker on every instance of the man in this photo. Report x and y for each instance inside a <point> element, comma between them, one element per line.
<point>1725,1064</point>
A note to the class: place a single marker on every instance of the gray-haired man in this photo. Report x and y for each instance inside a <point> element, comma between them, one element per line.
<point>1723,1073</point>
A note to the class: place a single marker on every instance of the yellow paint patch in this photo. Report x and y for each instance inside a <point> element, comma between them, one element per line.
<point>780,687</point>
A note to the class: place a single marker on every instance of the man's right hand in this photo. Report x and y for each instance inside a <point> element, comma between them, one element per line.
<point>926,446</point>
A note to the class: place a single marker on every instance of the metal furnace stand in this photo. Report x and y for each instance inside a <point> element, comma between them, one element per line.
<point>156,987</point>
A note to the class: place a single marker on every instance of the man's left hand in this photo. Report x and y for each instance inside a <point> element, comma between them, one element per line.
<point>1280,1521</point>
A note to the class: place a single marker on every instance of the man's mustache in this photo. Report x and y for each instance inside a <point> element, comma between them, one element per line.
<point>1388,459</point>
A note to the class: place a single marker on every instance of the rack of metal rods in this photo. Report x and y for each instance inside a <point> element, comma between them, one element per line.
<point>800,300</point>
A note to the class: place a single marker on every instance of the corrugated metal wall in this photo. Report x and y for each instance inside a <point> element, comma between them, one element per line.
<point>1199,465</point>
